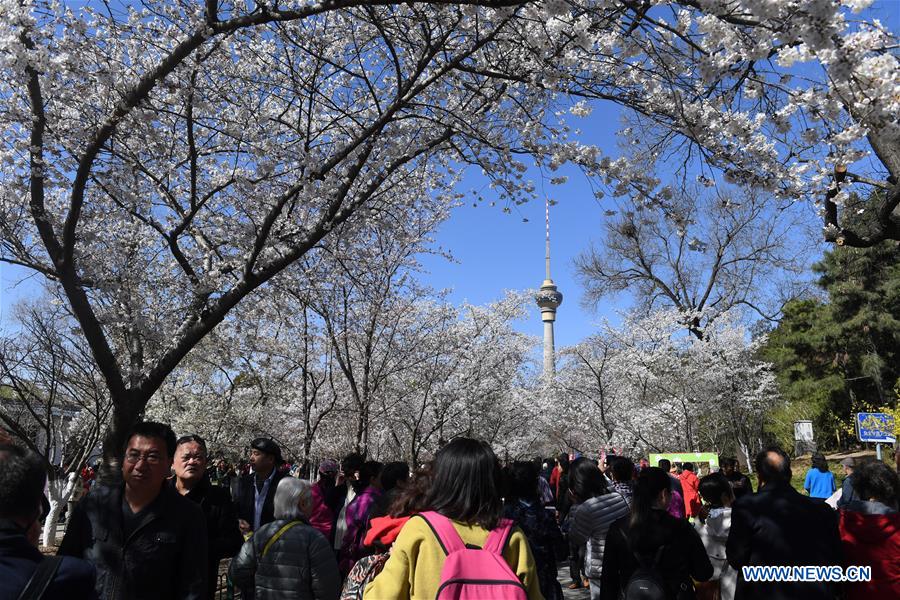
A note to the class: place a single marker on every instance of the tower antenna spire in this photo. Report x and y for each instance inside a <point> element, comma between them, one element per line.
<point>547,211</point>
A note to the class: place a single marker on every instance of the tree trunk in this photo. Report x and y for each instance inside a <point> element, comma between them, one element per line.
<point>125,415</point>
<point>744,450</point>
<point>59,492</point>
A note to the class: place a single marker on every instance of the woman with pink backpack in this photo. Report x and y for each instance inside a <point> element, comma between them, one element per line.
<point>460,548</point>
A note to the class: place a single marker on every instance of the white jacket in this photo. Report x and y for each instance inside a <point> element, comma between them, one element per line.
<point>714,533</point>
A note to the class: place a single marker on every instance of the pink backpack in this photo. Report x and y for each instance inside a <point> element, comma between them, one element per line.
<point>474,573</point>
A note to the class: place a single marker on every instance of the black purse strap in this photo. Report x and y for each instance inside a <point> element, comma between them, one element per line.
<point>41,578</point>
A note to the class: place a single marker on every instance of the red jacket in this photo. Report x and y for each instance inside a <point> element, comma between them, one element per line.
<point>872,540</point>
<point>691,485</point>
<point>384,530</point>
<point>554,480</point>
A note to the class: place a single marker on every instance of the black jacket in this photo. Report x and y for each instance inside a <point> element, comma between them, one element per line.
<point>779,526</point>
<point>684,556</point>
<point>222,532</point>
<point>740,484</point>
<point>245,502</point>
<point>300,565</point>
<point>74,580</point>
<point>164,557</point>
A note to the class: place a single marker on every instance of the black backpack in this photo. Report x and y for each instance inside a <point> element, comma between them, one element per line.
<point>646,583</point>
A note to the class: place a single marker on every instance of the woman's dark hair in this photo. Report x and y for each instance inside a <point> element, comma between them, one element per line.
<point>712,487</point>
<point>819,462</point>
<point>370,470</point>
<point>585,479</point>
<point>411,494</point>
<point>393,474</point>
<point>352,462</point>
<point>650,482</point>
<point>874,479</point>
<point>522,482</point>
<point>466,485</point>
<point>622,468</point>
<point>563,460</point>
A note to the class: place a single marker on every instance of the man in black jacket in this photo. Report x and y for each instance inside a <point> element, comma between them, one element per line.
<point>778,526</point>
<point>256,491</point>
<point>740,483</point>
<point>146,541</point>
<point>22,476</point>
<point>223,535</point>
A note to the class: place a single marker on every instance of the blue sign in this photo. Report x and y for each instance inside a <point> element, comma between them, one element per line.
<point>875,427</point>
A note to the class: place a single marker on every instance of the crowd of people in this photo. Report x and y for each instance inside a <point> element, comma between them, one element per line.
<point>461,526</point>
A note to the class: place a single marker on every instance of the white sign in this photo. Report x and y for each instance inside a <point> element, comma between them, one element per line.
<point>803,431</point>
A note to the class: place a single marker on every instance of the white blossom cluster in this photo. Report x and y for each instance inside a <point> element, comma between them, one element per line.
<point>647,385</point>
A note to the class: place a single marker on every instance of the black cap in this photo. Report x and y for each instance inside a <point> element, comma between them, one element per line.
<point>268,446</point>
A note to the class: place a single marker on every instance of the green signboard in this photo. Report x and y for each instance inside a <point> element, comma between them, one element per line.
<point>682,457</point>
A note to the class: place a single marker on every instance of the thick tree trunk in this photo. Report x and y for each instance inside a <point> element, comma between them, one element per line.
<point>125,415</point>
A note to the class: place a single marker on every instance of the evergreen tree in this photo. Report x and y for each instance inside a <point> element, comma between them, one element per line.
<point>837,357</point>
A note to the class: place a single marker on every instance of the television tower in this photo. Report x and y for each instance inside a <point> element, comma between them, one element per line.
<point>548,299</point>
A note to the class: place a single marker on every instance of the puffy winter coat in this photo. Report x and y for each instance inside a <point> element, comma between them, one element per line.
<point>714,533</point>
<point>300,564</point>
<point>872,539</point>
<point>590,524</point>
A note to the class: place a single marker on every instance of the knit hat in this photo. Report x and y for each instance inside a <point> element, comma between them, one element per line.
<point>328,466</point>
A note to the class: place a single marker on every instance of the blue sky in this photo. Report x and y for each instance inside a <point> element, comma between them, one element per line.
<point>495,251</point>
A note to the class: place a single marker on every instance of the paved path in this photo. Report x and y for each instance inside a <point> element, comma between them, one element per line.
<point>565,580</point>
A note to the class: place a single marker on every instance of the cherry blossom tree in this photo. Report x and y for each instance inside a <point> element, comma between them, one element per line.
<point>650,386</point>
<point>266,371</point>
<point>463,369</point>
<point>163,161</point>
<point>589,383</point>
<point>797,99</point>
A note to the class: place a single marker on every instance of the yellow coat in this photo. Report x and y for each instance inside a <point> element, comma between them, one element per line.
<point>414,569</point>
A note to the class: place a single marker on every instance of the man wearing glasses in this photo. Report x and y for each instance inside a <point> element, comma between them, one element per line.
<point>144,538</point>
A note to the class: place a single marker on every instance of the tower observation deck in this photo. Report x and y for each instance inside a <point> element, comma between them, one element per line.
<point>548,298</point>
